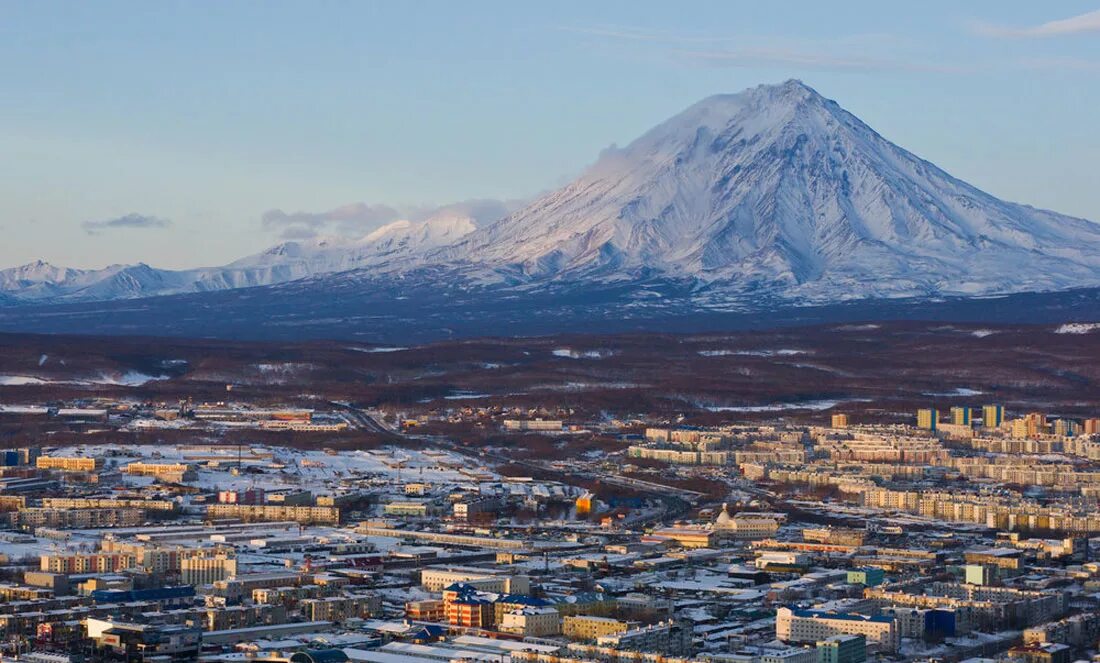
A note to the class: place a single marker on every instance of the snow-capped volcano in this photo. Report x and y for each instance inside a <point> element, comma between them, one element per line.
<point>774,191</point>
<point>780,188</point>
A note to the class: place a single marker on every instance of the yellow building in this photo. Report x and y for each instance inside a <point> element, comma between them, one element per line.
<point>993,416</point>
<point>107,503</point>
<point>69,463</point>
<point>307,515</point>
<point>960,416</point>
<point>1030,426</point>
<point>535,622</point>
<point>688,537</point>
<point>206,570</point>
<point>840,421</point>
<point>170,472</point>
<point>927,418</point>
<point>589,627</point>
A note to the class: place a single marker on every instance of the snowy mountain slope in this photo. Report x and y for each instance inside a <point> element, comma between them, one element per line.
<point>288,261</point>
<point>780,188</point>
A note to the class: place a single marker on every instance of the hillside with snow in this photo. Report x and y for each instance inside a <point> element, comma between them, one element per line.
<point>780,189</point>
<point>775,196</point>
<point>41,282</point>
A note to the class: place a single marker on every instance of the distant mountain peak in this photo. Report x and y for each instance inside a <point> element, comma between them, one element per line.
<point>778,188</point>
<point>773,192</point>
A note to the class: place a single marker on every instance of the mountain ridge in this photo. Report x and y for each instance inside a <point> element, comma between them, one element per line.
<point>774,188</point>
<point>775,192</point>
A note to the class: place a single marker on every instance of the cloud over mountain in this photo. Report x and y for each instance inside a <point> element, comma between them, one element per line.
<point>355,219</point>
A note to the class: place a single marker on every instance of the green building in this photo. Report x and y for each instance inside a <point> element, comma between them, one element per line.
<point>842,649</point>
<point>868,576</point>
<point>979,574</point>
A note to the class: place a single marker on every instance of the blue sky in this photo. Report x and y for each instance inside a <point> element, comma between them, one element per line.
<point>164,131</point>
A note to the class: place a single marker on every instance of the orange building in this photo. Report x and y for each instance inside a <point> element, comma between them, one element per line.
<point>427,610</point>
<point>584,504</point>
<point>463,605</point>
<point>1036,423</point>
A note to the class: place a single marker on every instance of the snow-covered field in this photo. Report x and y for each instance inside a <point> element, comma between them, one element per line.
<point>127,379</point>
<point>1078,328</point>
<point>824,404</point>
<point>957,391</point>
<point>276,468</point>
<point>781,352</point>
<point>570,353</point>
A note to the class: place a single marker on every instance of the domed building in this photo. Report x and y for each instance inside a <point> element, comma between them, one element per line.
<point>744,525</point>
<point>724,521</point>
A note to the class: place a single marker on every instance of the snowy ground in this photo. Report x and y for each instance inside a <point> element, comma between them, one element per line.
<point>275,468</point>
<point>127,379</point>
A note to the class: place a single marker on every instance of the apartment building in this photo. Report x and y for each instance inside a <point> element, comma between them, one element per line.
<point>411,508</point>
<point>425,610</point>
<point>928,418</point>
<point>207,569</point>
<point>591,627</point>
<point>669,637</point>
<point>975,606</point>
<point>842,649</point>
<point>307,515</point>
<point>532,621</point>
<point>993,416</point>
<point>341,608</point>
<point>243,616</point>
<point>545,425</point>
<point>484,580</point>
<point>291,595</point>
<point>806,626</point>
<point>33,517</point>
<point>107,503</point>
<point>87,563</point>
<point>467,607</point>
<point>168,472</point>
<point>69,463</point>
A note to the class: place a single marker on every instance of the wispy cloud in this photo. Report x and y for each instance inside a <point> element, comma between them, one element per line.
<point>129,221</point>
<point>355,219</point>
<point>358,219</point>
<point>1080,24</point>
<point>860,52</point>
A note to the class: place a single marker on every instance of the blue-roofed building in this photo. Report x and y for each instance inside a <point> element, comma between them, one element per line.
<point>506,603</point>
<point>428,633</point>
